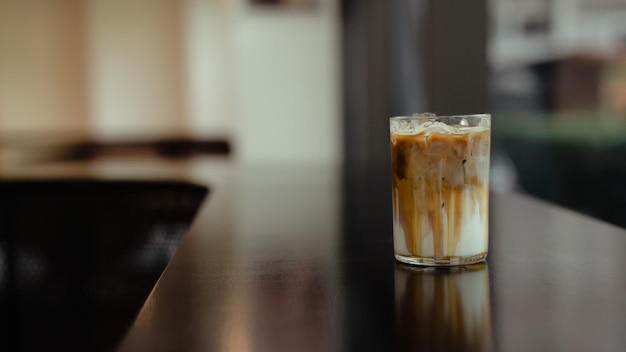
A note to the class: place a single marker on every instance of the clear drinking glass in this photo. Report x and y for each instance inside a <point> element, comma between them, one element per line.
<point>440,188</point>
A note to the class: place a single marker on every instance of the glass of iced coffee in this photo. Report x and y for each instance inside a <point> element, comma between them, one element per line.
<point>440,188</point>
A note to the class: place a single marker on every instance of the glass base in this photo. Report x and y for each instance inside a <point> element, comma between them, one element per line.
<point>442,261</point>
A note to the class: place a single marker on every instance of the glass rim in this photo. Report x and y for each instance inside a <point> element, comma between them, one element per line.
<point>438,117</point>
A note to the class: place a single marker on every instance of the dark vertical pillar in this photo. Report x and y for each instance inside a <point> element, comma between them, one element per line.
<point>459,57</point>
<point>366,68</point>
<point>405,56</point>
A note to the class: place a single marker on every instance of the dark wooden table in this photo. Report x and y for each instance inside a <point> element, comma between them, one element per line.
<point>300,258</point>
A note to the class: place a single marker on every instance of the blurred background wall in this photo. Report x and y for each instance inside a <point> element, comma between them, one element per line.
<point>316,80</point>
<point>264,76</point>
<point>43,67</point>
<point>557,87</point>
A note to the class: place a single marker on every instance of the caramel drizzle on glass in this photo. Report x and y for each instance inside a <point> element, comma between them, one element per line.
<point>432,176</point>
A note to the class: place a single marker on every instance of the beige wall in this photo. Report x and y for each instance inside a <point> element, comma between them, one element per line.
<point>209,67</point>
<point>288,84</point>
<point>42,67</point>
<point>135,61</point>
<point>268,79</point>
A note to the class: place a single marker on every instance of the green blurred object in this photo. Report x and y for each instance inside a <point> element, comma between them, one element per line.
<point>594,129</point>
<point>575,159</point>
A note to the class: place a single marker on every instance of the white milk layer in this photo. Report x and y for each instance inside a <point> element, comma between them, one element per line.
<point>473,236</point>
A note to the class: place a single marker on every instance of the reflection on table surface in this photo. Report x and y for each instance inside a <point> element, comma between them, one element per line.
<point>259,271</point>
<point>443,309</point>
